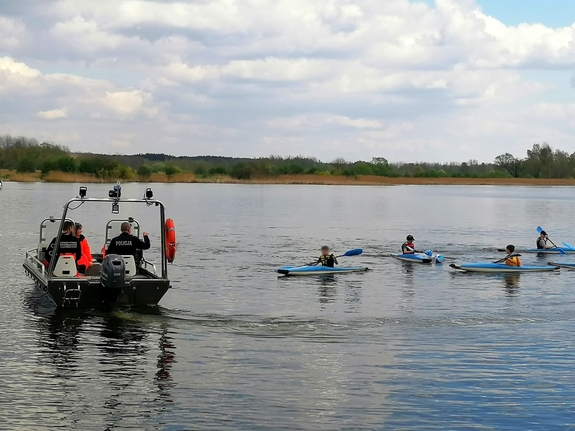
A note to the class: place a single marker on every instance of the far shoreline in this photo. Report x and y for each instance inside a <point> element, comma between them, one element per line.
<point>339,180</point>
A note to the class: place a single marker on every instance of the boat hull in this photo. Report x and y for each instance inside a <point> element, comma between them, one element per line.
<point>318,270</point>
<point>496,268</point>
<point>87,292</point>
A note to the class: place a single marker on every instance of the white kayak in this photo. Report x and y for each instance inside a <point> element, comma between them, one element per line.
<point>319,270</point>
<point>567,265</point>
<point>419,258</point>
<point>494,268</point>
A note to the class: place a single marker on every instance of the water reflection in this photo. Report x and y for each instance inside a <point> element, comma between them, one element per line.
<point>166,359</point>
<point>327,290</point>
<point>511,283</point>
<point>118,364</point>
<point>59,338</point>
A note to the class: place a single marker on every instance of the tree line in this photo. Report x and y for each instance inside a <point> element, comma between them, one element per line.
<point>541,161</point>
<point>27,155</point>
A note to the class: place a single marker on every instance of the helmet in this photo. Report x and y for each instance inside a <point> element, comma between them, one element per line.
<point>410,238</point>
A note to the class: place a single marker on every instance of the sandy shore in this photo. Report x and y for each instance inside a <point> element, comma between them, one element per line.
<point>367,180</point>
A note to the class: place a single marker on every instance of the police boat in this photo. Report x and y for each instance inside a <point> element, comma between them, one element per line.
<point>111,279</point>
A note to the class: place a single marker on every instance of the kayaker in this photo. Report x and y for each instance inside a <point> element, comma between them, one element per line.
<point>408,247</point>
<point>542,241</point>
<point>326,258</point>
<point>511,260</point>
<point>86,260</point>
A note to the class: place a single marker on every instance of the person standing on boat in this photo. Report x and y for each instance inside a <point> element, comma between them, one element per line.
<point>326,258</point>
<point>408,247</point>
<point>511,260</point>
<point>69,244</point>
<point>86,260</point>
<point>542,241</point>
<point>127,244</point>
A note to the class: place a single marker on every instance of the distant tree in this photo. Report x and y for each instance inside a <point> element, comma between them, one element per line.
<point>144,172</point>
<point>26,165</point>
<point>539,162</point>
<point>200,171</point>
<point>511,165</point>
<point>339,163</point>
<point>66,164</point>
<point>218,170</point>
<point>379,161</point>
<point>242,171</point>
<point>171,170</point>
<point>122,172</point>
<point>47,166</point>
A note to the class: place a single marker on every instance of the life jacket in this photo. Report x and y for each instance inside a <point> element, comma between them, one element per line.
<point>407,246</point>
<point>513,261</point>
<point>541,243</point>
<point>86,258</point>
<point>328,260</point>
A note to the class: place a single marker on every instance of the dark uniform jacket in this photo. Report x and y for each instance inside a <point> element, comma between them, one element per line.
<point>68,244</point>
<point>126,244</point>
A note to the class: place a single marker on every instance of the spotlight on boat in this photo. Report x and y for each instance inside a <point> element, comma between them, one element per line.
<point>116,192</point>
<point>149,193</point>
<point>115,208</point>
<point>83,191</point>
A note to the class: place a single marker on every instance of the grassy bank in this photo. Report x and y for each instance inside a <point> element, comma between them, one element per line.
<point>367,180</point>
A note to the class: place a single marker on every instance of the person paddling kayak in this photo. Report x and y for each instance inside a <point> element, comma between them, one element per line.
<point>326,258</point>
<point>511,260</point>
<point>542,241</point>
<point>408,247</point>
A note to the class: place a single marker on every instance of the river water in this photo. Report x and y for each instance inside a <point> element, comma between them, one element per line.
<point>232,346</point>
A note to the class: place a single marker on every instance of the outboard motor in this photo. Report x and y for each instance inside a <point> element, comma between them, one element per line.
<point>112,277</point>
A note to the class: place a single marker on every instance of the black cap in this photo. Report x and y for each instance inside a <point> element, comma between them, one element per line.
<point>325,247</point>
<point>410,238</point>
<point>543,233</point>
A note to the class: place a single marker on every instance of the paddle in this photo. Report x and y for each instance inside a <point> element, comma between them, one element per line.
<point>569,246</point>
<point>507,257</point>
<point>561,251</point>
<point>354,252</point>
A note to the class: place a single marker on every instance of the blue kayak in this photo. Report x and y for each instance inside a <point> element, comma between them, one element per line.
<point>553,250</point>
<point>489,267</point>
<point>419,258</point>
<point>568,265</point>
<point>318,270</point>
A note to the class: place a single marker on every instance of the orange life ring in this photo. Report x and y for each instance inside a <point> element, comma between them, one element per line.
<point>170,240</point>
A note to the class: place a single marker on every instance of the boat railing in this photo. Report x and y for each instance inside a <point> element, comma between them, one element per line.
<point>148,263</point>
<point>33,259</point>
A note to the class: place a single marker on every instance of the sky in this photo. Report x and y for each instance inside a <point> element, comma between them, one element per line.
<point>427,80</point>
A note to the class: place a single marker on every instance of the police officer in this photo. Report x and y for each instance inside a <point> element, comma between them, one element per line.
<point>68,243</point>
<point>128,244</point>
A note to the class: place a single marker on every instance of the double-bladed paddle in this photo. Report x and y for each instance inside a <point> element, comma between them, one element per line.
<point>561,251</point>
<point>349,253</point>
<point>507,257</point>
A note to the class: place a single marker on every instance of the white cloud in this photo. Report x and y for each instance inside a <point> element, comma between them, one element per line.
<point>53,114</point>
<point>391,78</point>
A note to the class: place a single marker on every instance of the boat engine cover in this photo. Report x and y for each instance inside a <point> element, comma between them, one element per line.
<point>113,272</point>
